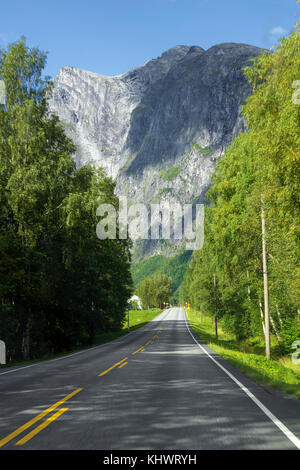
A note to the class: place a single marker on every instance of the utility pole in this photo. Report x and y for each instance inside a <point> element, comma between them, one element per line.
<point>266,288</point>
<point>215,301</point>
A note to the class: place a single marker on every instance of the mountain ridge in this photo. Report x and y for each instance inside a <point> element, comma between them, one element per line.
<point>159,128</point>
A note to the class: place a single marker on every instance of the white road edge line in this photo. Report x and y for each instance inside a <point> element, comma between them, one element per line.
<point>294,439</point>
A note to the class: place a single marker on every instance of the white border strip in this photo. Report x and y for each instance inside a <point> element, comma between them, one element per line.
<point>294,439</point>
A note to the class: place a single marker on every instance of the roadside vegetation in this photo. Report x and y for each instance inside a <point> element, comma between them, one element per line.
<point>137,319</point>
<point>155,292</point>
<point>247,274</point>
<point>248,355</point>
<point>60,285</point>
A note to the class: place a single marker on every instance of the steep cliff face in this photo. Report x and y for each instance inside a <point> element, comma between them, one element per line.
<point>158,128</point>
<point>97,109</point>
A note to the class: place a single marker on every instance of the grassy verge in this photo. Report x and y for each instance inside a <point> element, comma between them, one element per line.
<point>248,356</point>
<point>137,318</point>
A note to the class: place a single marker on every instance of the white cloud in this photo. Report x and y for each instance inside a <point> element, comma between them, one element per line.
<point>277,31</point>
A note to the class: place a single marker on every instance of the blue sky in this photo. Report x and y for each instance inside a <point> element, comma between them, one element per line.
<point>111,36</point>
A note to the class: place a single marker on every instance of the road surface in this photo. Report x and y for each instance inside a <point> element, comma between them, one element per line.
<point>159,387</point>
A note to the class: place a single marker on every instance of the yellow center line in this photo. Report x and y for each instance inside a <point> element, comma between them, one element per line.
<point>137,350</point>
<point>25,426</point>
<point>40,427</point>
<point>37,418</point>
<point>122,365</point>
<point>112,367</point>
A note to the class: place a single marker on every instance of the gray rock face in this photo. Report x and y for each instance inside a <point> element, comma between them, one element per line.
<point>158,128</point>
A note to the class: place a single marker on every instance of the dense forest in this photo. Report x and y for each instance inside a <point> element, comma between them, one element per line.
<point>155,291</point>
<point>255,203</point>
<point>59,284</point>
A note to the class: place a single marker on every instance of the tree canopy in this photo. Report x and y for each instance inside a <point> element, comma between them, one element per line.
<point>260,168</point>
<point>155,291</point>
<point>59,284</point>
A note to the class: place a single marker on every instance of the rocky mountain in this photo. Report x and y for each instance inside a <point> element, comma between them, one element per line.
<point>159,128</point>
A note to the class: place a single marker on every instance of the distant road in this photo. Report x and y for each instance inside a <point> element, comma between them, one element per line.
<point>155,388</point>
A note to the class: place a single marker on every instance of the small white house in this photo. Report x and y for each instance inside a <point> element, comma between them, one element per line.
<point>135,299</point>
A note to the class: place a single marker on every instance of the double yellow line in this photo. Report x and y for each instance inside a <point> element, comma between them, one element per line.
<point>123,363</point>
<point>56,415</point>
<point>115,365</point>
<point>39,428</point>
<point>135,352</point>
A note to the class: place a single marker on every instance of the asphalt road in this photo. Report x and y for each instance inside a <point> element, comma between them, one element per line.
<point>155,388</point>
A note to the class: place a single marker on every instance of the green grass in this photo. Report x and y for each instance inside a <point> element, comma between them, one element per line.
<point>128,161</point>
<point>248,356</point>
<point>205,151</point>
<point>170,173</point>
<point>137,318</point>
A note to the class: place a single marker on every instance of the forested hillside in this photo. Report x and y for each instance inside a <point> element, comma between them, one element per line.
<point>174,267</point>
<point>256,183</point>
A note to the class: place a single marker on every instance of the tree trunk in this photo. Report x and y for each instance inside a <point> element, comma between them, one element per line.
<point>26,341</point>
<point>279,316</point>
<point>249,291</point>
<point>262,318</point>
<point>266,288</point>
<point>215,302</point>
<point>274,328</point>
